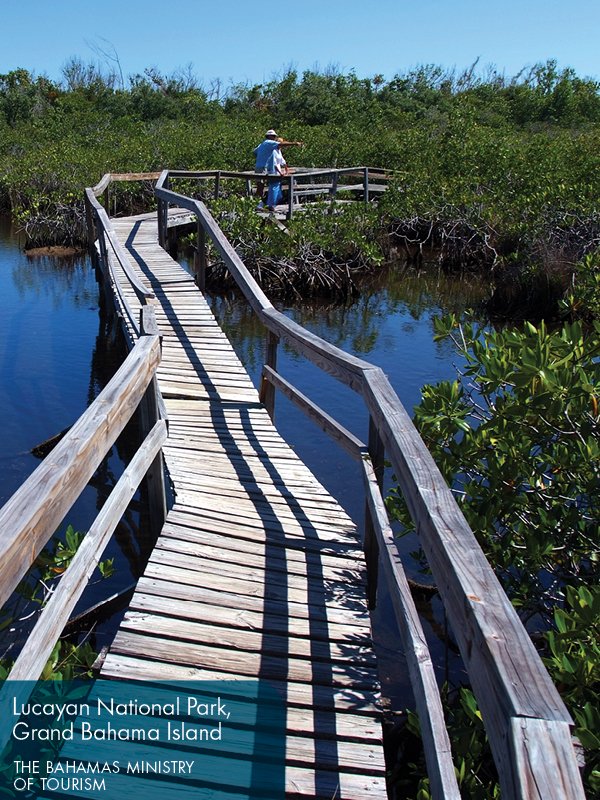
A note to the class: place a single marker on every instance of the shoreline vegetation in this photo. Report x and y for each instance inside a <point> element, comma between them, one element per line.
<point>500,174</point>
<point>500,178</point>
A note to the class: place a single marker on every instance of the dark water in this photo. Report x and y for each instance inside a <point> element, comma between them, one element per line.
<point>55,358</point>
<point>48,330</point>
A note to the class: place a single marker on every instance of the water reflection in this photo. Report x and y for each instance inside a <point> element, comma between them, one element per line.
<point>61,280</point>
<point>55,357</point>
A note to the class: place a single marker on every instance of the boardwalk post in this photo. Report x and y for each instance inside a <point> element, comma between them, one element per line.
<point>159,216</point>
<point>163,217</point>
<point>90,231</point>
<point>150,415</point>
<point>171,244</point>
<point>366,186</point>
<point>169,235</point>
<point>291,197</point>
<point>266,394</point>
<point>107,201</point>
<point>370,546</point>
<point>217,184</point>
<point>200,258</point>
<point>334,184</point>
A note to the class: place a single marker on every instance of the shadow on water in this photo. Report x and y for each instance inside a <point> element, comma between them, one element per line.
<point>56,355</point>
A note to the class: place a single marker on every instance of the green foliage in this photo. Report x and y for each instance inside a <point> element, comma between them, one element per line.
<point>517,438</point>
<point>346,233</point>
<point>318,252</point>
<point>67,660</point>
<point>517,159</point>
<point>473,763</point>
<point>51,563</point>
<point>574,663</point>
<point>583,301</point>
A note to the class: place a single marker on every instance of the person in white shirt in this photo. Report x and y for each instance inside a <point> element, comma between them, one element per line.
<point>263,154</point>
<point>276,165</point>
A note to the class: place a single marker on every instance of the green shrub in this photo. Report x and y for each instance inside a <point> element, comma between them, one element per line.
<point>517,437</point>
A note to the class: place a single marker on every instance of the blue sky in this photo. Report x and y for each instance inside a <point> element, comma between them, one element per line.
<point>240,41</point>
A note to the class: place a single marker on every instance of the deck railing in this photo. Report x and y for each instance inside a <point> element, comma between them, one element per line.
<point>526,721</point>
<point>102,235</point>
<point>31,516</point>
<point>302,182</point>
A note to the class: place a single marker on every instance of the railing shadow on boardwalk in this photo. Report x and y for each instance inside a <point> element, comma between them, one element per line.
<point>276,657</point>
<point>526,721</point>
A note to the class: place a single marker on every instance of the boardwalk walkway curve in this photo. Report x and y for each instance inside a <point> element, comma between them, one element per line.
<point>257,570</point>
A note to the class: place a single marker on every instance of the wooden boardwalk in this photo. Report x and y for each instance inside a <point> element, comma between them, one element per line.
<point>258,572</point>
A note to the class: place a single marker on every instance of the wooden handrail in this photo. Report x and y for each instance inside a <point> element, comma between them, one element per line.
<point>56,613</point>
<point>436,742</point>
<point>36,509</point>
<point>109,177</point>
<point>296,188</point>
<point>302,172</point>
<point>513,688</point>
<point>31,516</point>
<point>104,225</point>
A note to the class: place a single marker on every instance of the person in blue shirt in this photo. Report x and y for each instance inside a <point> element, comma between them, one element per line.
<point>275,166</point>
<point>263,154</point>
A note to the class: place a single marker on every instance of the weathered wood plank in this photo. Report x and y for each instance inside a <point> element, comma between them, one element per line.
<point>34,512</point>
<point>321,534</point>
<point>248,510</point>
<point>302,695</point>
<point>251,665</point>
<point>284,561</point>
<point>316,596</point>
<point>232,637</point>
<point>506,669</point>
<point>350,443</point>
<point>289,536</point>
<point>506,672</point>
<point>165,584</point>
<point>324,754</point>
<point>440,767</point>
<point>225,773</point>
<point>545,760</point>
<point>313,581</point>
<point>195,610</point>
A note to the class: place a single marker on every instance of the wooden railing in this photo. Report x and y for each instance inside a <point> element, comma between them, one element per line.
<point>33,513</point>
<point>526,721</point>
<point>301,182</point>
<point>101,235</point>
<point>100,232</point>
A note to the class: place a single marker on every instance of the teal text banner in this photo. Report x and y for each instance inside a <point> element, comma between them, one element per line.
<point>223,740</point>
